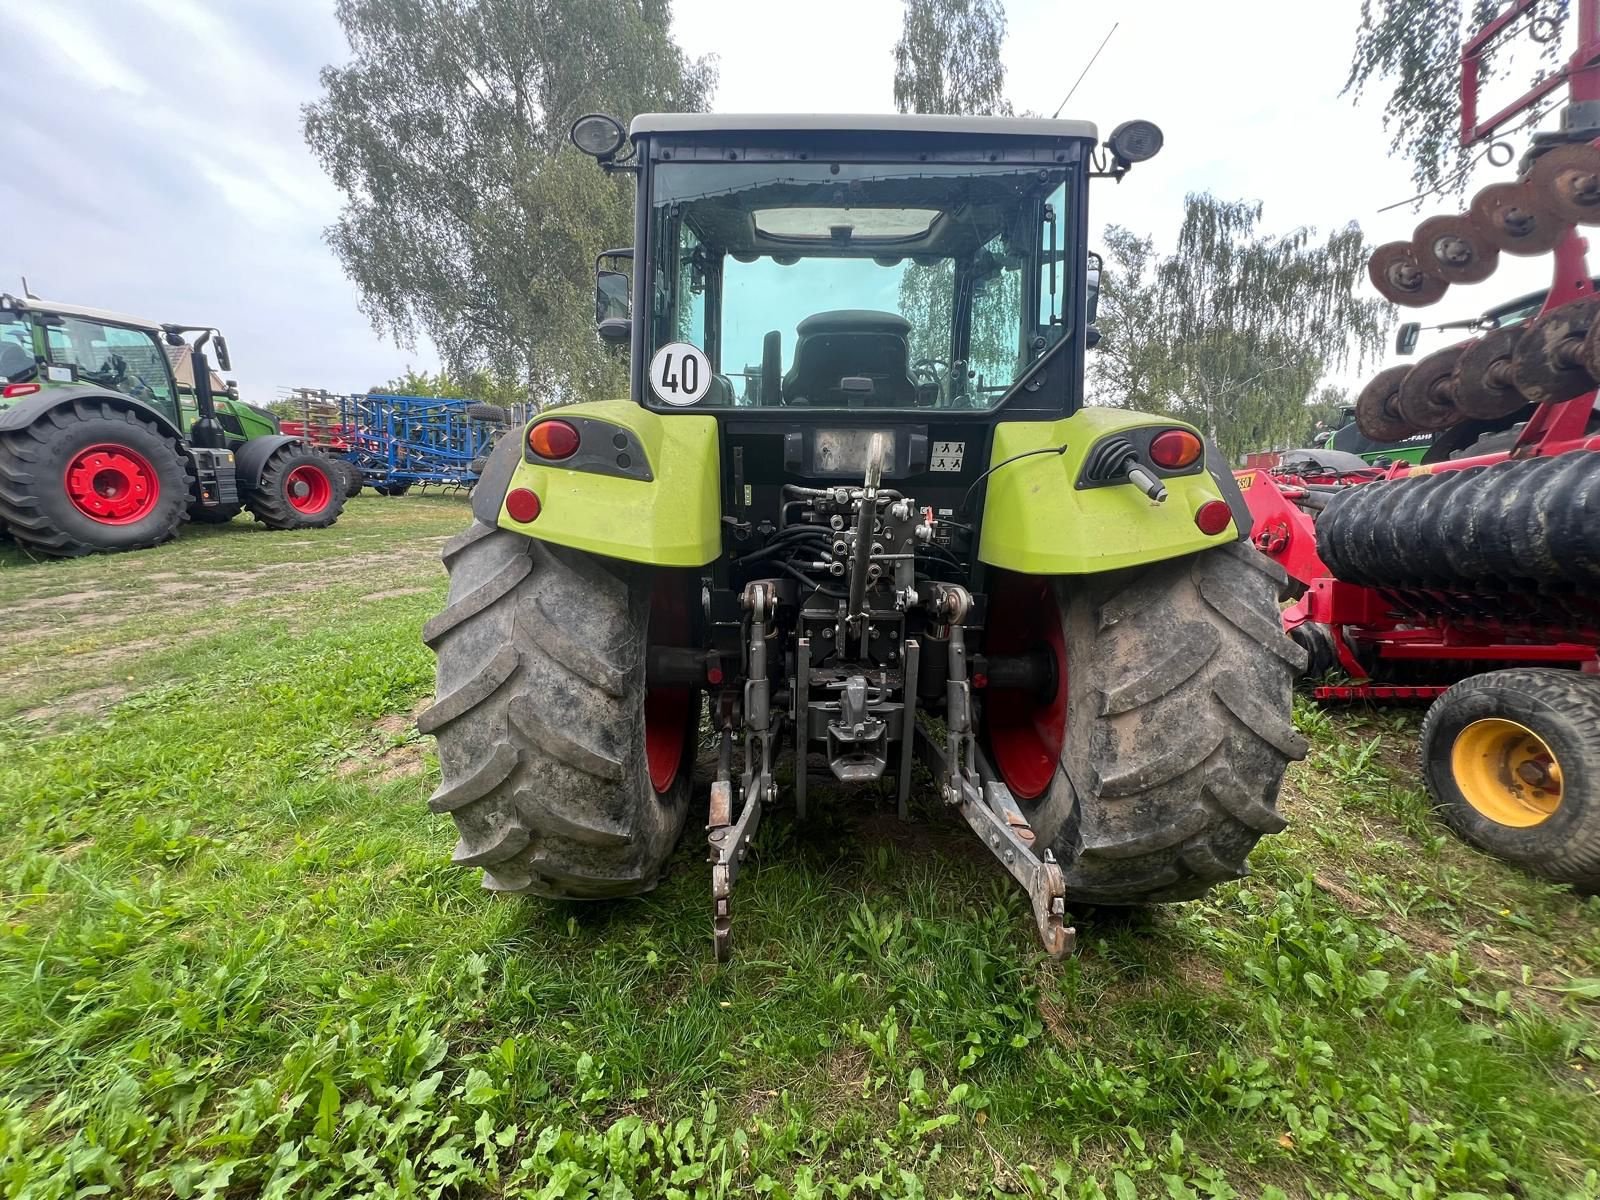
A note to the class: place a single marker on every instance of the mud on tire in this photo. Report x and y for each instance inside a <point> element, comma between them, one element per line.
<point>1178,686</point>
<point>541,720</point>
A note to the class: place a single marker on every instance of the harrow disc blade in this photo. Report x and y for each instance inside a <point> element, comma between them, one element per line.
<point>1568,179</point>
<point>1483,380</point>
<point>1427,399</point>
<point>1455,249</point>
<point>1548,366</point>
<point>1400,279</point>
<point>1516,219</point>
<point>1378,407</point>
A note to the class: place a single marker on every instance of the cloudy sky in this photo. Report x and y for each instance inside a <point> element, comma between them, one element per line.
<point>155,164</point>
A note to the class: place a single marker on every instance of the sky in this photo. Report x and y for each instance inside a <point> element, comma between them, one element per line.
<point>155,163</point>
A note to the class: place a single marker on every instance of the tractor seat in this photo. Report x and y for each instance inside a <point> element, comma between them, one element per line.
<point>869,349</point>
<point>14,360</point>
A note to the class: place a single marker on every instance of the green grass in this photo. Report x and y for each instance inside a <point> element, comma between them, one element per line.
<point>234,960</point>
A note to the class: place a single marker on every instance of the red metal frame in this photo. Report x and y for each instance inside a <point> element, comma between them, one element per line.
<point>1579,73</point>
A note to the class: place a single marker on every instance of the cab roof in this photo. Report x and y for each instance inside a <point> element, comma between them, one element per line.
<point>34,304</point>
<point>895,123</point>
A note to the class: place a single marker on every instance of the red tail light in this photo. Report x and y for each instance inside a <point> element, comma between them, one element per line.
<point>12,390</point>
<point>554,440</point>
<point>1175,449</point>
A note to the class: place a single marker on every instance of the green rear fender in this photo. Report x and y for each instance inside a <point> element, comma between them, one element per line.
<point>1038,522</point>
<point>672,519</point>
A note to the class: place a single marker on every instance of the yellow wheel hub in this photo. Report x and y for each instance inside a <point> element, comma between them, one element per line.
<point>1506,772</point>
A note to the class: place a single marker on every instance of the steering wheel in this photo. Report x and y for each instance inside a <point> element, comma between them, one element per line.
<point>933,371</point>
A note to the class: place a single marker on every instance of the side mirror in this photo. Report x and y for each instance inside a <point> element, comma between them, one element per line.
<point>1095,265</point>
<point>613,290</point>
<point>220,345</point>
<point>1405,338</point>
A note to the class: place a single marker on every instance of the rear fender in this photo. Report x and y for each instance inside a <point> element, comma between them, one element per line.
<point>1038,521</point>
<point>252,456</point>
<point>25,410</point>
<point>642,487</point>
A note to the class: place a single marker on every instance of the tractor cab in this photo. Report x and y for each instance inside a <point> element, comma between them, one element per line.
<point>918,266</point>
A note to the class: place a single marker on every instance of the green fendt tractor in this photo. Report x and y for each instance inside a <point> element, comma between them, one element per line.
<point>111,435</point>
<point>856,482</point>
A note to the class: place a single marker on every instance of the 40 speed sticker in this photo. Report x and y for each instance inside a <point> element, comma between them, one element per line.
<point>680,374</point>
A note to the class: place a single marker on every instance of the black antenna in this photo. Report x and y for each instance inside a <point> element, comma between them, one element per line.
<point>1085,70</point>
<point>27,295</point>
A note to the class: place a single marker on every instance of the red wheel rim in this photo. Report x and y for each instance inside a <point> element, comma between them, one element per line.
<point>112,484</point>
<point>308,489</point>
<point>666,709</point>
<point>1026,733</point>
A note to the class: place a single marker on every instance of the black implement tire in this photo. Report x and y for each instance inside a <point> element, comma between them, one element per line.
<point>391,489</point>
<point>541,720</point>
<point>35,504</point>
<point>349,476</point>
<point>1175,692</point>
<point>277,500</point>
<point>493,414</point>
<point>200,514</point>
<point>1471,744</point>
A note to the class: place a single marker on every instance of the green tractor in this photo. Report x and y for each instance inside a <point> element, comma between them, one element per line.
<point>858,506</point>
<point>112,434</point>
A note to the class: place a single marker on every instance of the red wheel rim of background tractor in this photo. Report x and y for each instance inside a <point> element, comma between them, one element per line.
<point>666,708</point>
<point>308,489</point>
<point>112,484</point>
<point>1025,734</point>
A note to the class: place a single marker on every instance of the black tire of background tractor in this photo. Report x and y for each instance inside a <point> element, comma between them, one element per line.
<point>391,489</point>
<point>540,721</point>
<point>1514,525</point>
<point>270,502</point>
<point>1182,678</point>
<point>349,476</point>
<point>1563,709</point>
<point>34,505</point>
<point>494,414</point>
<point>202,515</point>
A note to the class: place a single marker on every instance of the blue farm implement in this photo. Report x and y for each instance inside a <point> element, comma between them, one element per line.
<point>398,441</point>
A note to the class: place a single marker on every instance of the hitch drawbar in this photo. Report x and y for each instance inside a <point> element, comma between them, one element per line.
<point>966,780</point>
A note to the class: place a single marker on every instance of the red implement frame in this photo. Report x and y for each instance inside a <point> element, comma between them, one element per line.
<point>1367,626</point>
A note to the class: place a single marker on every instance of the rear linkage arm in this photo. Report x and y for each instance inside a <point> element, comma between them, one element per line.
<point>986,802</point>
<point>730,839</point>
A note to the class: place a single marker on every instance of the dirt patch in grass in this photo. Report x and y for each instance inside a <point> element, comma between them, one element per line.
<point>78,704</point>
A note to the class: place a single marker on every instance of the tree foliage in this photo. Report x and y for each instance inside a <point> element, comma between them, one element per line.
<point>1416,44</point>
<point>1235,329</point>
<point>467,217</point>
<point>948,58</point>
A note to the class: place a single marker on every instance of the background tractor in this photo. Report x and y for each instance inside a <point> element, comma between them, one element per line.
<point>857,482</point>
<point>1486,554</point>
<point>112,434</point>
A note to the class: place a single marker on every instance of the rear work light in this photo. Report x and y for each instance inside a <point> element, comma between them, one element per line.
<point>12,390</point>
<point>553,440</point>
<point>1175,449</point>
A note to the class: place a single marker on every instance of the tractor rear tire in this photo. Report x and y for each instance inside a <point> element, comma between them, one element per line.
<point>1478,733</point>
<point>298,489</point>
<point>91,477</point>
<point>564,775</point>
<point>1155,765</point>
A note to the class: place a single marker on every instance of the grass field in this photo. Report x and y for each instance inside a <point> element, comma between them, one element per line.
<point>234,960</point>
